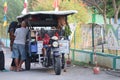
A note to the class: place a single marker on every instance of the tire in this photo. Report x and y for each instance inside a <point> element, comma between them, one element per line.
<point>63,61</point>
<point>57,65</point>
<point>27,64</point>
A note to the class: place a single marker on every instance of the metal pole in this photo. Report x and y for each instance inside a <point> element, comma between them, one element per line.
<point>93,21</point>
<point>103,40</point>
<point>93,37</point>
<point>74,39</point>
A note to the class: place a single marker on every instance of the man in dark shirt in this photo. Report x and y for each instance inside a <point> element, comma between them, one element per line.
<point>12,27</point>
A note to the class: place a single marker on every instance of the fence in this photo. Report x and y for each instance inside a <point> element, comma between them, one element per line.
<point>103,59</point>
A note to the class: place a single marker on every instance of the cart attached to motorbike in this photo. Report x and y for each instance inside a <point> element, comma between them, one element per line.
<point>46,43</point>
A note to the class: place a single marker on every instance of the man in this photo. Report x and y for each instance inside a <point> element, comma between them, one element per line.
<point>2,60</point>
<point>19,45</point>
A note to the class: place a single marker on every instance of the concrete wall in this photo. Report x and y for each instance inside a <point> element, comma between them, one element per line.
<point>103,59</point>
<point>117,63</point>
<point>82,57</point>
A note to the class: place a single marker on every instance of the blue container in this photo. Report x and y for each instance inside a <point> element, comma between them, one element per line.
<point>33,47</point>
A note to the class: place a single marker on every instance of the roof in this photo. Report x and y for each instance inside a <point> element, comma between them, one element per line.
<point>68,12</point>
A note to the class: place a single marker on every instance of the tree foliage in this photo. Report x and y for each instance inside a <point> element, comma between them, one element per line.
<point>82,16</point>
<point>100,5</point>
<point>116,9</point>
<point>108,8</point>
<point>113,10</point>
<point>14,9</point>
<point>110,11</point>
<point>41,5</point>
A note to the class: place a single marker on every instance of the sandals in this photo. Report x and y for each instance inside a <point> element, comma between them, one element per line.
<point>19,69</point>
<point>5,70</point>
<point>12,68</point>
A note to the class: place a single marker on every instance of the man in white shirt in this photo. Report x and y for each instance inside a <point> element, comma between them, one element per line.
<point>19,45</point>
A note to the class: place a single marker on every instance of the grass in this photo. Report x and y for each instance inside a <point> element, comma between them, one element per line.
<point>83,64</point>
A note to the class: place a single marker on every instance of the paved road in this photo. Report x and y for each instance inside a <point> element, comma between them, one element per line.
<point>36,73</point>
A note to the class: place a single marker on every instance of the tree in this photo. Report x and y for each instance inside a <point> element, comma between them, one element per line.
<point>13,10</point>
<point>116,6</point>
<point>100,5</point>
<point>42,5</point>
<point>65,5</point>
<point>82,16</point>
<point>104,8</point>
<point>32,4</point>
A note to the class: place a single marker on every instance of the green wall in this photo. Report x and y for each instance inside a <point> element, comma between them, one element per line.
<point>99,19</point>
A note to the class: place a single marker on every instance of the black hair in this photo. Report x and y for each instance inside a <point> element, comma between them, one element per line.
<point>13,25</point>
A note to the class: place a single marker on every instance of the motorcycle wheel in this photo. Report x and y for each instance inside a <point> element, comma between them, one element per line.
<point>57,65</point>
<point>27,64</point>
<point>63,61</point>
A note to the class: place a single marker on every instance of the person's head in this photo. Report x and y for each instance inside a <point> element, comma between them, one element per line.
<point>23,24</point>
<point>12,26</point>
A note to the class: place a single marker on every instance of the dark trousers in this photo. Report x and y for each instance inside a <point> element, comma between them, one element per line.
<point>2,61</point>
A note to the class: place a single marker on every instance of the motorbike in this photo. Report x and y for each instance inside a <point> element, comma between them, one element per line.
<point>56,54</point>
<point>46,54</point>
<point>52,54</point>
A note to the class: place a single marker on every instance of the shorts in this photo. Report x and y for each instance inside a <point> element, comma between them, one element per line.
<point>19,51</point>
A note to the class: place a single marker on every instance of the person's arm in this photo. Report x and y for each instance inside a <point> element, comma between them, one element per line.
<point>15,33</point>
<point>12,37</point>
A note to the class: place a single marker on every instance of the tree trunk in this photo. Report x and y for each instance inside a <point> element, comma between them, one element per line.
<point>116,10</point>
<point>116,17</point>
<point>103,36</point>
<point>105,19</point>
<point>110,21</point>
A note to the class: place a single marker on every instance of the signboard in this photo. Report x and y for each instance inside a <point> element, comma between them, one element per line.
<point>86,36</point>
<point>64,46</point>
<point>40,46</point>
<point>98,35</point>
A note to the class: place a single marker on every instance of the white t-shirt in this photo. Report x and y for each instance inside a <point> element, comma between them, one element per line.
<point>20,35</point>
